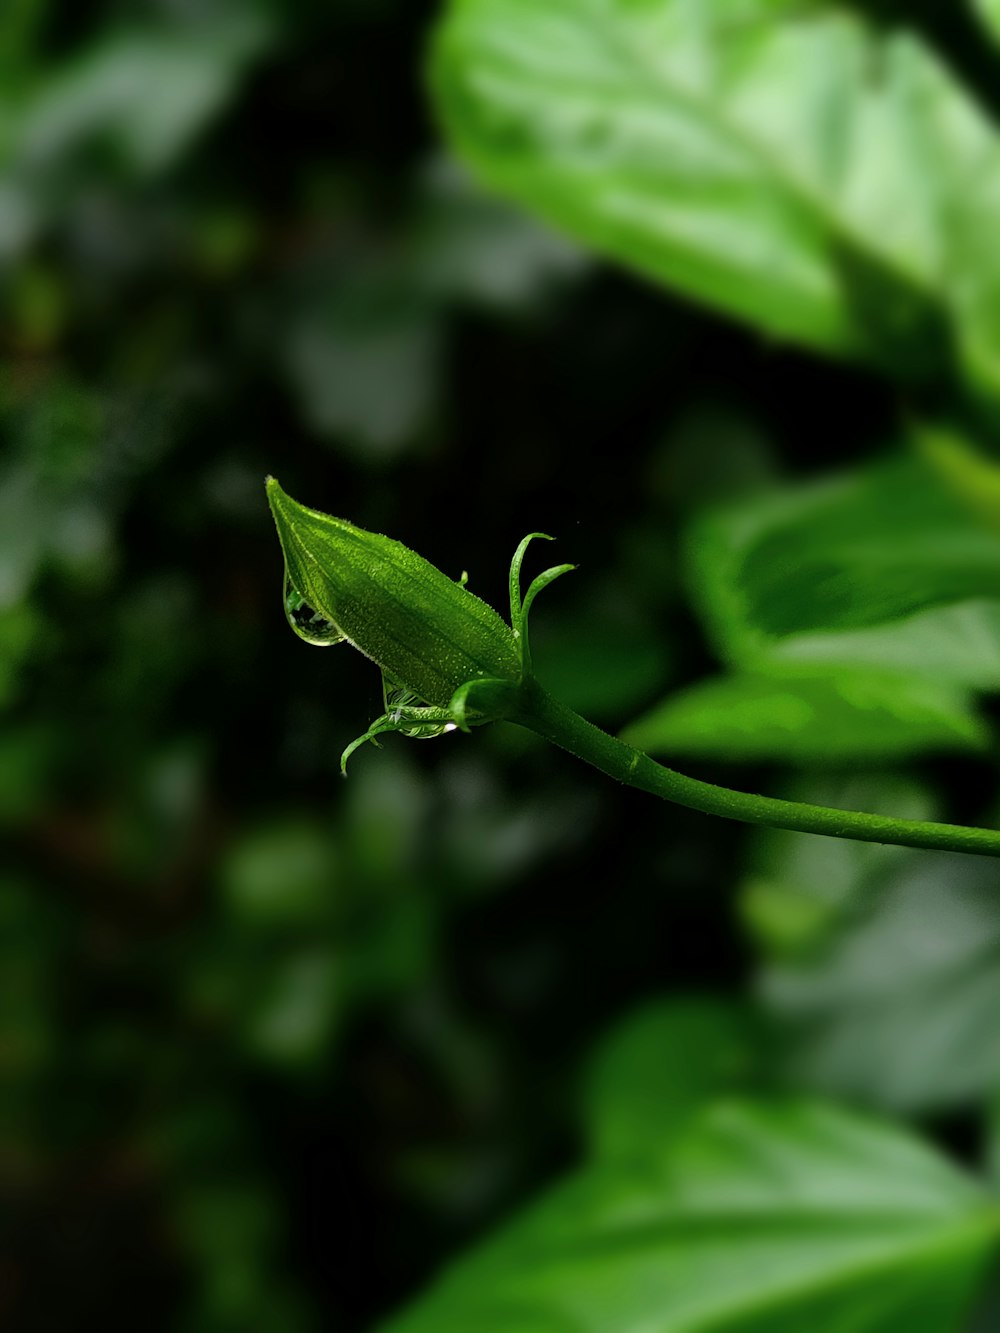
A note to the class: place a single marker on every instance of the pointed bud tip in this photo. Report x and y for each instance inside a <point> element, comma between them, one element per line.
<point>278,499</point>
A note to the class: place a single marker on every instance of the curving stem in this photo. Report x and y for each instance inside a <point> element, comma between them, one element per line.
<point>546,716</point>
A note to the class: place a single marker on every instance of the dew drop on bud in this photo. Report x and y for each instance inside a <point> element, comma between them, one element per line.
<point>397,698</point>
<point>308,623</point>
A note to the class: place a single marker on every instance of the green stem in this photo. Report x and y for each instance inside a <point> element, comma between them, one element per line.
<point>540,713</point>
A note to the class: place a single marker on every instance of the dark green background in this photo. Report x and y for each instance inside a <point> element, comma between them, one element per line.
<point>273,1045</point>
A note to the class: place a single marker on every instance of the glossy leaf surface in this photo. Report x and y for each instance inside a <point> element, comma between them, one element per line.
<point>835,570</point>
<point>779,162</point>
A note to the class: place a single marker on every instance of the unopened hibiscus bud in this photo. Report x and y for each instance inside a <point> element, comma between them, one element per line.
<point>429,635</point>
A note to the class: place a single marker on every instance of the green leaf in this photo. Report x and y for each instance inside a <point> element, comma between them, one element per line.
<point>657,1069</point>
<point>782,163</point>
<point>892,995</point>
<point>821,720</point>
<point>819,572</point>
<point>765,1218</point>
<point>989,15</point>
<point>958,644</point>
<point>973,477</point>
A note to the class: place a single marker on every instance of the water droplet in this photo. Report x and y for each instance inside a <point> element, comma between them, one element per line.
<point>426,731</point>
<point>308,623</point>
<point>396,698</point>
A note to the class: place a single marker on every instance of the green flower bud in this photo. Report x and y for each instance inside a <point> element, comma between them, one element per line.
<point>429,635</point>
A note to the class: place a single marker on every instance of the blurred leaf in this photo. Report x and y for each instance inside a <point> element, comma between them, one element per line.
<point>389,807</point>
<point>281,874</point>
<point>781,163</point>
<point>225,238</point>
<point>773,1218</point>
<point>987,1313</point>
<point>49,511</point>
<point>799,573</point>
<point>130,101</point>
<point>973,477</point>
<point>295,1011</point>
<point>26,758</point>
<point>958,644</point>
<point>20,21</point>
<point>362,353</point>
<point>488,836</point>
<point>989,14</point>
<point>471,247</point>
<point>149,92</point>
<point>364,350</point>
<point>35,307</point>
<point>824,719</point>
<point>895,1000</point>
<point>991,1154</point>
<point>801,888</point>
<point>19,217</point>
<point>232,1226</point>
<point>21,632</point>
<point>657,1069</point>
<point>161,810</point>
<point>277,1000</point>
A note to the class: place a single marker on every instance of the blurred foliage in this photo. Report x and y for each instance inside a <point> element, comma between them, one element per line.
<point>274,1048</point>
<point>784,163</point>
<point>746,1214</point>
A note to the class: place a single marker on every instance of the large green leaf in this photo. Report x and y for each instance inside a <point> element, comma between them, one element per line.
<point>825,719</point>
<point>780,162</point>
<point>761,1218</point>
<point>884,566</point>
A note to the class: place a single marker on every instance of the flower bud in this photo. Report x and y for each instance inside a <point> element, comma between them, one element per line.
<point>429,634</point>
